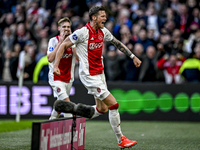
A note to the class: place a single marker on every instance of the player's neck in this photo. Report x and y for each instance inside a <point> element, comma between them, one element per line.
<point>94,25</point>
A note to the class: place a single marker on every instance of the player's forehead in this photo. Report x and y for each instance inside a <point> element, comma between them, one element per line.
<point>65,24</point>
<point>101,13</point>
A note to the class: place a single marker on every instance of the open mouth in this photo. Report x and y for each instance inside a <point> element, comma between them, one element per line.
<point>103,23</point>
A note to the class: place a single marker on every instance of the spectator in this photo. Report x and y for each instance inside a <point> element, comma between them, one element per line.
<point>30,63</point>
<point>53,31</point>
<point>22,35</point>
<point>19,13</point>
<point>63,4</point>
<point>16,50</point>
<point>152,20</point>
<point>113,64</point>
<point>184,19</point>
<point>8,72</point>
<point>144,40</point>
<point>191,4</point>
<point>132,72</point>
<point>42,51</point>
<point>135,31</point>
<point>176,42</point>
<point>175,5</point>
<point>191,67</point>
<point>6,20</point>
<point>55,17</point>
<point>125,35</point>
<point>192,41</point>
<point>170,64</point>
<point>7,40</point>
<point>123,18</point>
<point>164,44</point>
<point>38,12</point>
<point>148,70</point>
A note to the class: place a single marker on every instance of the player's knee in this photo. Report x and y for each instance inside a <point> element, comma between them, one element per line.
<point>67,99</point>
<point>102,110</point>
<point>115,106</point>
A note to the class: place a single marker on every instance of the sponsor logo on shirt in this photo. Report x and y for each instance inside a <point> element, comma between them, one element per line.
<point>66,55</point>
<point>75,37</point>
<point>92,39</point>
<point>95,45</point>
<point>50,49</point>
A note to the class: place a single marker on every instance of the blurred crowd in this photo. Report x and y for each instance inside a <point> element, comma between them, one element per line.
<point>165,35</point>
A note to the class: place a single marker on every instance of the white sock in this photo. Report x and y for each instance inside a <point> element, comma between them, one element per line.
<point>114,119</point>
<point>96,113</point>
<point>54,114</point>
<point>67,115</point>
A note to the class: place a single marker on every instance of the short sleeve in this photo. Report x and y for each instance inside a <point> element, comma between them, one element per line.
<point>107,35</point>
<point>78,36</point>
<point>51,45</point>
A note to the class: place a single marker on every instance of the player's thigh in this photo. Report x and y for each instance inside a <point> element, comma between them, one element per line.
<point>110,100</point>
<point>59,89</point>
<point>68,87</point>
<point>96,86</point>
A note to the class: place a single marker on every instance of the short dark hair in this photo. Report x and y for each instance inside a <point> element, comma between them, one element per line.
<point>94,10</point>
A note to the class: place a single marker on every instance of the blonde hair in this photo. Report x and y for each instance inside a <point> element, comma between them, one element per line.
<point>66,19</point>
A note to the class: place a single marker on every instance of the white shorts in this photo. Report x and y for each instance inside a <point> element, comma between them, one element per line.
<point>96,85</point>
<point>61,89</point>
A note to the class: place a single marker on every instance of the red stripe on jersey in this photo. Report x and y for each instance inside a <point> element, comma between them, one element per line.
<point>65,66</point>
<point>95,48</point>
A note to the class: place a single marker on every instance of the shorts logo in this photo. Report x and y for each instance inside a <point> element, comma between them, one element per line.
<point>58,90</point>
<point>75,37</point>
<point>50,49</point>
<point>99,90</point>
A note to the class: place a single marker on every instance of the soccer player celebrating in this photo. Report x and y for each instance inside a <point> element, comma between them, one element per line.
<point>61,84</point>
<point>89,45</point>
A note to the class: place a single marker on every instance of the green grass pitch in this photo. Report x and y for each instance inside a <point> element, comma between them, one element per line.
<point>150,135</point>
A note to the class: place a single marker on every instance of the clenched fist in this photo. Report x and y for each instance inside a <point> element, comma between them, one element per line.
<point>56,70</point>
<point>136,61</point>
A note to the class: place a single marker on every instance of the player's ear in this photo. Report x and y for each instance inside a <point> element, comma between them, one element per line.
<point>58,28</point>
<point>94,18</point>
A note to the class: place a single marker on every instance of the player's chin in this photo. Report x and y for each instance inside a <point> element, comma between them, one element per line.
<point>102,26</point>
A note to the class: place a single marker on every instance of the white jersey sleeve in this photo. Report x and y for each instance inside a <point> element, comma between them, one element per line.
<point>52,44</point>
<point>107,35</point>
<point>78,36</point>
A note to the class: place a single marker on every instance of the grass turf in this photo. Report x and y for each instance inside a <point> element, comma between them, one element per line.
<point>99,135</point>
<point>10,125</point>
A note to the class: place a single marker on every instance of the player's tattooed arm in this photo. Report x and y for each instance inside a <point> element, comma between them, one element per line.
<point>122,47</point>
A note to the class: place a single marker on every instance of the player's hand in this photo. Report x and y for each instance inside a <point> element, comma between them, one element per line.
<point>70,31</point>
<point>62,37</point>
<point>136,61</point>
<point>56,70</point>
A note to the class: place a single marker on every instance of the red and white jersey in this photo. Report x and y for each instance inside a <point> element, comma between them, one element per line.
<point>89,46</point>
<point>66,65</point>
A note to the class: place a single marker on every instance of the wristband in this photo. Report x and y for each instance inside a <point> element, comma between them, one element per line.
<point>132,56</point>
